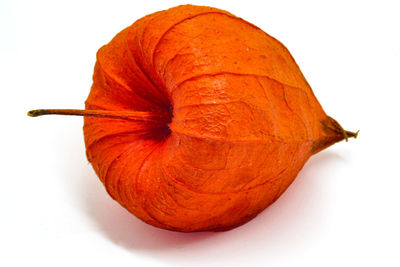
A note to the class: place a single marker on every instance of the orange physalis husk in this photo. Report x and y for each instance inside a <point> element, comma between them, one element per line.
<point>198,120</point>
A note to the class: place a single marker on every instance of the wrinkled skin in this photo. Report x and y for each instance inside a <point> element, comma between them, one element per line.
<point>243,119</point>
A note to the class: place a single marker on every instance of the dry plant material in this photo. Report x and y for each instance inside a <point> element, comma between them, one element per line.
<point>198,120</point>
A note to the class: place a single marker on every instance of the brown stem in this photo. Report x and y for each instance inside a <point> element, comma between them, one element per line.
<point>335,126</point>
<point>332,132</point>
<point>123,115</point>
<point>349,134</point>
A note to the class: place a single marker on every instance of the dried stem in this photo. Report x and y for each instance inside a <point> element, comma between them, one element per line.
<point>123,115</point>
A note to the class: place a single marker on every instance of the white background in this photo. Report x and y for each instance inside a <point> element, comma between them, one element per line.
<point>342,210</point>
